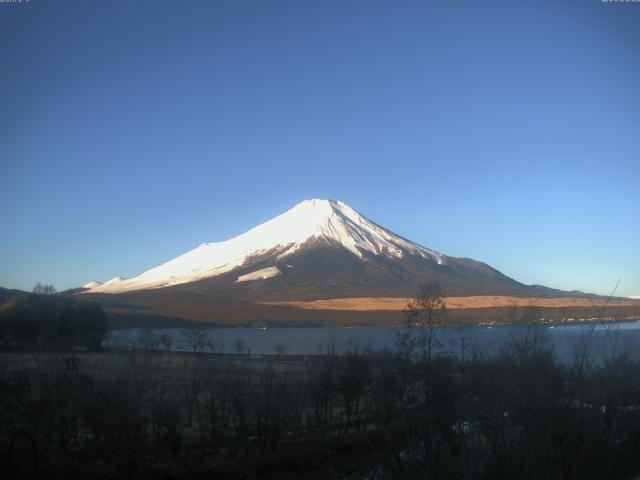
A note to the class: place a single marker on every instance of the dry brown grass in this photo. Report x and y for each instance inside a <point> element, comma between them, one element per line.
<point>397,304</point>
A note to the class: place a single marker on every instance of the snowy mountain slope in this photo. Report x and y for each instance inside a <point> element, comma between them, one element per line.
<point>312,220</point>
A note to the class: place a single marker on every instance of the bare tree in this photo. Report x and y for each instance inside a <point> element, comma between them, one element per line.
<point>148,340</point>
<point>216,344</point>
<point>352,383</point>
<point>44,289</point>
<point>197,337</point>
<point>239,346</point>
<point>166,341</point>
<point>280,349</point>
<point>423,313</point>
<point>192,384</point>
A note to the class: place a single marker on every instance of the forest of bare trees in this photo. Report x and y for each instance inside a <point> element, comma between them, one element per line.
<point>152,413</point>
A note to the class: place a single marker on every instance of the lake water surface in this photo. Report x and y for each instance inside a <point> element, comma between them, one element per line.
<point>603,338</point>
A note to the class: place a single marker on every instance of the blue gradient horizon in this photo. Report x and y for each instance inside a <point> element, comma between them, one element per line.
<point>508,132</point>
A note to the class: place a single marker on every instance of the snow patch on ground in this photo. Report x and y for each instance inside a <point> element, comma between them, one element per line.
<point>261,274</point>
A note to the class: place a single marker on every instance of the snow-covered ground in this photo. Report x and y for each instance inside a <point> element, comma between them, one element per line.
<point>261,274</point>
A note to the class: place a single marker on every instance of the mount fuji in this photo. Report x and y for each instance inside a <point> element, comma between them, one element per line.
<point>318,240</point>
<point>318,251</point>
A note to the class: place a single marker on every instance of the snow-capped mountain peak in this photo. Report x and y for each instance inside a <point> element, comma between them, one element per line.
<point>329,220</point>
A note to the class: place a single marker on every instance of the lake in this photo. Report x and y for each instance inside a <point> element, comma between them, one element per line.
<point>605,338</point>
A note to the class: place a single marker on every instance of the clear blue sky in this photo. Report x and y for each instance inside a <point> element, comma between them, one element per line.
<point>132,131</point>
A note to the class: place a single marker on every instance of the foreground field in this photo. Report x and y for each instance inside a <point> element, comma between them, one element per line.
<point>152,414</point>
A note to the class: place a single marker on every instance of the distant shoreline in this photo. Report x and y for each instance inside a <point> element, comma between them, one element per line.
<point>369,311</point>
<point>185,324</point>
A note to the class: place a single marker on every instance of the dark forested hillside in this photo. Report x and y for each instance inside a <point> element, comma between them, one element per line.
<point>30,320</point>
